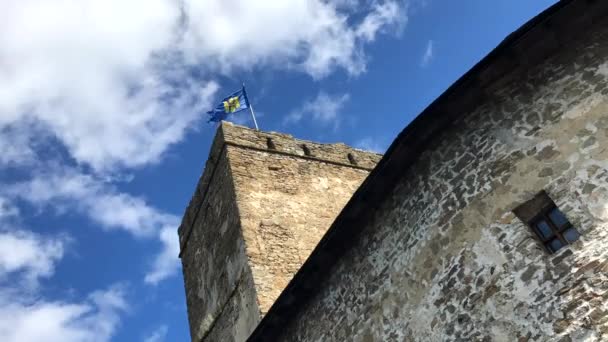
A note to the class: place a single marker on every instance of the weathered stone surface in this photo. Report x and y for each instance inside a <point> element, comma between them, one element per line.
<point>286,204</point>
<point>445,259</point>
<point>212,249</point>
<point>260,208</point>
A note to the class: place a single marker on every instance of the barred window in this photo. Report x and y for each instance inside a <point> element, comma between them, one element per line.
<point>548,222</point>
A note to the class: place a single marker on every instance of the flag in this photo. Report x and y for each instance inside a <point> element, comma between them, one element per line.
<point>231,104</point>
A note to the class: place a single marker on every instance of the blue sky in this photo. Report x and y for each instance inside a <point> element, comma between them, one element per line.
<point>103,133</point>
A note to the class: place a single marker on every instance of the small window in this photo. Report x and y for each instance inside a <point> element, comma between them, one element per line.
<point>351,159</point>
<point>270,144</point>
<point>306,150</point>
<point>548,222</point>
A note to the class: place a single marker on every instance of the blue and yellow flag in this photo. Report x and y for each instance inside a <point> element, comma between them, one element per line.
<point>231,104</point>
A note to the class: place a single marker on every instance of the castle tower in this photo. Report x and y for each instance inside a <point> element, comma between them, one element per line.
<point>262,204</point>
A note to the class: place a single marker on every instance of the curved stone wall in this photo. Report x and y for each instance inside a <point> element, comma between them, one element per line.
<point>445,258</point>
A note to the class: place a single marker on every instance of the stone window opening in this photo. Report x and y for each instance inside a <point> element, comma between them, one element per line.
<point>306,150</point>
<point>270,144</point>
<point>548,223</point>
<point>351,159</point>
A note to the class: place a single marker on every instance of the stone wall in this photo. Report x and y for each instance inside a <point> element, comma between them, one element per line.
<point>262,204</point>
<point>287,202</point>
<point>214,263</point>
<point>445,259</point>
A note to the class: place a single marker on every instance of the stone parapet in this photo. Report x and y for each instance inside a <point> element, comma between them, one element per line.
<point>337,153</point>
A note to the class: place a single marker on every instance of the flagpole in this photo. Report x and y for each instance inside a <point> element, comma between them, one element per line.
<point>251,109</point>
<point>253,116</point>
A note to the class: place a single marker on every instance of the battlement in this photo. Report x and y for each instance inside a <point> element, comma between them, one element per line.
<point>273,142</point>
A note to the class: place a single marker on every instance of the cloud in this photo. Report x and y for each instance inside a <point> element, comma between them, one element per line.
<point>62,188</point>
<point>314,36</point>
<point>117,85</point>
<point>323,109</point>
<point>157,335</point>
<point>379,19</point>
<point>29,255</point>
<point>92,320</point>
<point>95,75</point>
<point>166,263</point>
<point>66,189</point>
<point>26,316</point>
<point>428,54</point>
<point>16,145</point>
<point>370,144</point>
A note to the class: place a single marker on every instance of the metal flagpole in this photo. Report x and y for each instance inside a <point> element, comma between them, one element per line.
<point>253,116</point>
<point>251,110</point>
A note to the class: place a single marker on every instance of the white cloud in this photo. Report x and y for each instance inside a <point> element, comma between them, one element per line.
<point>378,19</point>
<point>166,263</point>
<point>25,257</point>
<point>66,188</point>
<point>313,35</point>
<point>428,54</point>
<point>16,145</point>
<point>28,254</point>
<point>323,109</point>
<point>26,316</point>
<point>370,144</point>
<point>92,320</point>
<point>158,335</point>
<point>93,74</point>
<point>114,83</point>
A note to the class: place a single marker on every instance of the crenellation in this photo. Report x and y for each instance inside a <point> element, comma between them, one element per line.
<point>287,144</point>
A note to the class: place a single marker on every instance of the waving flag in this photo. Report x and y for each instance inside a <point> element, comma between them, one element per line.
<point>231,104</point>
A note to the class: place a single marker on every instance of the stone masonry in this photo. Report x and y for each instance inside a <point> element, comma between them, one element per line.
<point>262,204</point>
<point>442,257</point>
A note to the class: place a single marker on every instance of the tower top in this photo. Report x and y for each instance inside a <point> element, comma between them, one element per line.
<point>230,134</point>
<point>274,142</point>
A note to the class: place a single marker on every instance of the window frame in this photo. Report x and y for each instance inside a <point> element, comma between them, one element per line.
<point>539,209</point>
<point>557,231</point>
